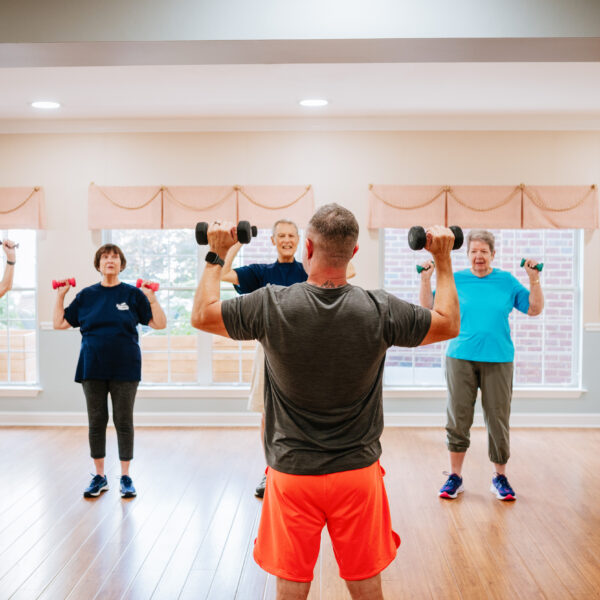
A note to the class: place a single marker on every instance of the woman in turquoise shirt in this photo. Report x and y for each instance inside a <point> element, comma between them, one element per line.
<point>482,356</point>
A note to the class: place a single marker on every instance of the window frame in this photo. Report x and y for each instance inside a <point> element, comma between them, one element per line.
<point>201,337</point>
<point>33,386</point>
<point>572,390</point>
<point>205,349</point>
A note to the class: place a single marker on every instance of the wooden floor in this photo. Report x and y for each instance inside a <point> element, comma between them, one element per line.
<point>189,533</point>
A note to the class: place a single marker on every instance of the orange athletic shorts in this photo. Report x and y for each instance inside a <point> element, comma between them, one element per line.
<point>353,505</point>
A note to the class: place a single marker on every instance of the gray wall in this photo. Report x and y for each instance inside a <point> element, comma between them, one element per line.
<point>147,20</point>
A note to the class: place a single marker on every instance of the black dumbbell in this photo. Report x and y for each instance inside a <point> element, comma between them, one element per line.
<point>417,238</point>
<point>539,266</point>
<point>245,232</point>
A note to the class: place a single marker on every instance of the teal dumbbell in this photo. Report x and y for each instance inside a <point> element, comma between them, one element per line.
<point>420,269</point>
<point>539,266</point>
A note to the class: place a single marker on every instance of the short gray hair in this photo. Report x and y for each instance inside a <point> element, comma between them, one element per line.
<point>286,222</point>
<point>481,235</point>
<point>337,233</point>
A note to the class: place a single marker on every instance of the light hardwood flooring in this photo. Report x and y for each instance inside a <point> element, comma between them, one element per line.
<point>189,533</point>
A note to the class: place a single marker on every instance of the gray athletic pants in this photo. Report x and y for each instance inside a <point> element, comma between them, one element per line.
<point>122,394</point>
<point>495,380</point>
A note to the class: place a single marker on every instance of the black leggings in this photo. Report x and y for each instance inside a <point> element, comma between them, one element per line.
<point>122,394</point>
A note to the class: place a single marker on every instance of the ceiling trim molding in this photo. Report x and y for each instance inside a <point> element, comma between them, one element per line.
<point>313,51</point>
<point>490,122</point>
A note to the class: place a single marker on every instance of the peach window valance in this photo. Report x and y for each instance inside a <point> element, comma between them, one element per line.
<point>137,207</point>
<point>22,208</point>
<point>185,206</point>
<point>175,207</point>
<point>505,207</point>
<point>263,205</point>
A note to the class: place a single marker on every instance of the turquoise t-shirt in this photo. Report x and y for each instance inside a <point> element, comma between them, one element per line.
<point>485,303</point>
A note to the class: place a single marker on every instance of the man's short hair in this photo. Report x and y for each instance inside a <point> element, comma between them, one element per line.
<point>336,230</point>
<point>109,249</point>
<point>285,222</point>
<point>481,235</point>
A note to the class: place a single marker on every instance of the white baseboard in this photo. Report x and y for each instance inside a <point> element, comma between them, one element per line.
<point>248,419</point>
<point>142,419</point>
<point>591,420</point>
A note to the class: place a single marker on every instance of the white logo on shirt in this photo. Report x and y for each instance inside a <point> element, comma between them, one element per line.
<point>123,306</point>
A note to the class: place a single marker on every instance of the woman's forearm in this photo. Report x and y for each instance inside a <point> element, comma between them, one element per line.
<point>425,293</point>
<point>159,319</point>
<point>58,316</point>
<point>536,298</point>
<point>7,279</point>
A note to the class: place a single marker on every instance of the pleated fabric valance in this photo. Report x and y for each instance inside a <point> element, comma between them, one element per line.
<point>181,207</point>
<point>495,207</point>
<point>22,208</point>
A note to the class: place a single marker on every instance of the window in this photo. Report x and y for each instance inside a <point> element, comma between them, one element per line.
<point>179,354</point>
<point>171,355</point>
<point>546,347</point>
<point>18,314</point>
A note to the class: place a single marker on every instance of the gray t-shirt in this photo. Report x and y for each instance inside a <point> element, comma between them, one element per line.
<point>324,356</point>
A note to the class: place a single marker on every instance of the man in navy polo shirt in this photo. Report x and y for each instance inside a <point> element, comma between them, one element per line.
<point>286,270</point>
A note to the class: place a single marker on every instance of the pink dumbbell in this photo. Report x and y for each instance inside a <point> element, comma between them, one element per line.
<point>152,285</point>
<point>57,284</point>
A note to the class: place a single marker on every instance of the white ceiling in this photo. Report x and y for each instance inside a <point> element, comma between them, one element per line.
<point>366,91</point>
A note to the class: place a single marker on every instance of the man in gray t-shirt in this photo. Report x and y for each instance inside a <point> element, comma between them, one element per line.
<point>325,344</point>
<point>323,400</point>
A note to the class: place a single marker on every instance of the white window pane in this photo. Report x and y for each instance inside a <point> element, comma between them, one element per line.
<point>170,257</point>
<point>183,270</point>
<point>25,269</point>
<point>18,327</point>
<point>232,360</point>
<point>21,305</point>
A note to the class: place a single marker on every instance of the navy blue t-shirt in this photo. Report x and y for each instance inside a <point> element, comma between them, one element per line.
<point>256,276</point>
<point>107,318</point>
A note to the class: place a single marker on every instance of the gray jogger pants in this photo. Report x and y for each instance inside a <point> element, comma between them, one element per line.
<point>495,380</point>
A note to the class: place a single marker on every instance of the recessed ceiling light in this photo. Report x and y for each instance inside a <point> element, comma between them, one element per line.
<point>314,102</point>
<point>46,104</point>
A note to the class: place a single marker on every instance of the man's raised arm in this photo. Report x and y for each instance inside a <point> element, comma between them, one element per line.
<point>445,314</point>
<point>228,273</point>
<point>206,310</point>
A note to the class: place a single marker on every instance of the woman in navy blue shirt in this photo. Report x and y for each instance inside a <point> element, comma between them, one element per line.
<point>110,361</point>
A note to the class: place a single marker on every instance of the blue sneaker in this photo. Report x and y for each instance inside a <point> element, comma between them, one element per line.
<point>453,486</point>
<point>98,485</point>
<point>502,489</point>
<point>127,489</point>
